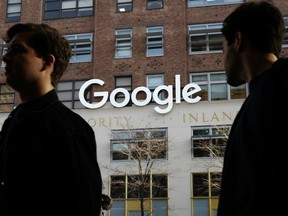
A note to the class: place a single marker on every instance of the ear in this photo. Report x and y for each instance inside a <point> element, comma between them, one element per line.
<point>48,62</point>
<point>238,42</point>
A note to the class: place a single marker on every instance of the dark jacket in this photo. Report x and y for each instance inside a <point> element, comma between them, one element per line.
<point>255,163</point>
<point>49,164</point>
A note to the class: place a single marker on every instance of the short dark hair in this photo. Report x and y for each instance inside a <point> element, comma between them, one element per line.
<point>260,22</point>
<point>45,40</point>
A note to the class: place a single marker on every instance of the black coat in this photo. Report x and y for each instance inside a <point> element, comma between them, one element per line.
<point>255,163</point>
<point>49,164</point>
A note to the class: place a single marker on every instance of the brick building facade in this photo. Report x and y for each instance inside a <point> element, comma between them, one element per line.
<point>129,45</point>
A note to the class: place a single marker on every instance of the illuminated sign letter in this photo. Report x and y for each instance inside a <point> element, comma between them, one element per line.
<point>100,94</point>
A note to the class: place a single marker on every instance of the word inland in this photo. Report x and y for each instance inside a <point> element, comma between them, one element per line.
<point>164,105</point>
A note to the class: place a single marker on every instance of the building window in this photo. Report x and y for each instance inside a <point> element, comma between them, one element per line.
<point>285,42</point>
<point>154,4</point>
<point>68,93</point>
<point>124,6</point>
<point>153,81</point>
<point>206,38</point>
<point>139,144</point>
<point>126,190</point>
<point>55,9</point>
<point>4,51</point>
<point>126,83</point>
<point>123,43</point>
<point>209,141</point>
<point>7,97</point>
<point>13,11</point>
<point>214,87</point>
<point>205,193</point>
<point>81,46</point>
<point>193,3</point>
<point>155,42</point>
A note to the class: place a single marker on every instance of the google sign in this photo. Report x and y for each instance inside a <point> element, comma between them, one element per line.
<point>187,94</point>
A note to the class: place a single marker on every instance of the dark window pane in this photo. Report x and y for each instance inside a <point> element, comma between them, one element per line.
<point>13,19</point>
<point>118,186</point>
<point>201,148</point>
<point>138,186</point>
<point>200,185</point>
<point>215,183</point>
<point>124,7</point>
<point>52,6</point>
<point>70,13</point>
<point>52,15</point>
<point>159,187</point>
<point>152,4</point>
<point>119,156</point>
<point>85,12</point>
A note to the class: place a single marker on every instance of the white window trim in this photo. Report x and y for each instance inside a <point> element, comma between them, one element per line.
<point>122,35</point>
<point>198,3</point>
<point>80,39</point>
<point>154,32</point>
<point>208,83</point>
<point>204,30</point>
<point>210,136</point>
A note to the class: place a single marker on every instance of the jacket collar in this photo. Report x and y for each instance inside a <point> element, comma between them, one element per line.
<point>39,104</point>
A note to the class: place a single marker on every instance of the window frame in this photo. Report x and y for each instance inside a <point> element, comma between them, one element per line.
<point>72,93</point>
<point>285,41</point>
<point>206,45</point>
<point>209,141</point>
<point>80,44</point>
<point>154,39</point>
<point>124,6</point>
<point>208,85</point>
<point>126,83</point>
<point>198,3</point>
<point>123,43</point>
<point>125,204</point>
<point>154,86</point>
<point>16,9</point>
<point>122,144</point>
<point>205,203</point>
<point>4,51</point>
<point>158,2</point>
<point>154,190</point>
<point>7,98</point>
<point>56,9</point>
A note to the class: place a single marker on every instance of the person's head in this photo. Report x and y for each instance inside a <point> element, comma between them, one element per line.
<point>261,23</point>
<point>255,26</point>
<point>44,41</point>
